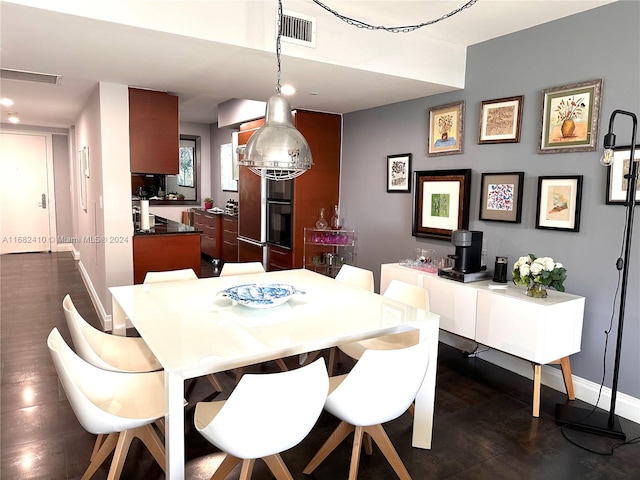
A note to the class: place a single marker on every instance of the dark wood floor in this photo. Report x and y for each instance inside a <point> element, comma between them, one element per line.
<point>483,424</point>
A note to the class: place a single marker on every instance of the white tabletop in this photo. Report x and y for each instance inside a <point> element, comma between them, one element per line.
<point>194,331</point>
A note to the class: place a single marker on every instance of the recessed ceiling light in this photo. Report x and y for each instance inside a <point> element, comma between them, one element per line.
<point>6,102</point>
<point>313,93</point>
<point>13,118</point>
<point>287,90</point>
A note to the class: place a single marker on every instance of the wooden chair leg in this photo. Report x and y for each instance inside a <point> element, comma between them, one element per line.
<point>368,444</point>
<point>247,469</point>
<point>311,356</point>
<point>355,453</point>
<point>229,462</point>
<point>150,438</point>
<point>213,380</point>
<point>282,365</point>
<point>99,441</point>
<point>338,435</point>
<point>239,373</point>
<point>382,440</point>
<point>120,454</point>
<point>333,354</point>
<point>106,447</point>
<point>537,371</point>
<point>278,467</point>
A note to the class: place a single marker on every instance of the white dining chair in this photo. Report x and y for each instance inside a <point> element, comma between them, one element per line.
<point>242,268</point>
<point>402,292</point>
<point>106,351</point>
<point>174,276</point>
<point>361,405</point>
<point>116,406</point>
<point>356,277</point>
<point>170,276</point>
<point>265,415</point>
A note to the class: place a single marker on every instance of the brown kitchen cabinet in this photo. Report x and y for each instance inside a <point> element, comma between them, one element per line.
<point>153,132</point>
<point>211,226</point>
<point>279,258</point>
<point>229,238</point>
<point>158,253</point>
<point>315,189</point>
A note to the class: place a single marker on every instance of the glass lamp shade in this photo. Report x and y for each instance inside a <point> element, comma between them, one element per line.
<point>277,150</point>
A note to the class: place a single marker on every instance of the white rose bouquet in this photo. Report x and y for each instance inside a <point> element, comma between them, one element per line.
<point>543,270</point>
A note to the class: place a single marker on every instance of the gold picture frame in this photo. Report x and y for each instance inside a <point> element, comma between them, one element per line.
<point>446,129</point>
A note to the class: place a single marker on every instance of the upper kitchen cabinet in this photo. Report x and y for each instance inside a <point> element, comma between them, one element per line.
<point>153,132</point>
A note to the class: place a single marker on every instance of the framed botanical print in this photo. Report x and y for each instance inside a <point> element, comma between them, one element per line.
<point>559,200</point>
<point>617,184</point>
<point>501,196</point>
<point>501,120</point>
<point>570,116</point>
<point>399,173</point>
<point>446,129</point>
<point>441,202</point>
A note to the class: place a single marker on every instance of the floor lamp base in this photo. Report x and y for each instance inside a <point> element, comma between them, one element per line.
<point>588,421</point>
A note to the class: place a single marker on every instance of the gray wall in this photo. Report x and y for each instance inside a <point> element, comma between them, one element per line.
<point>558,53</point>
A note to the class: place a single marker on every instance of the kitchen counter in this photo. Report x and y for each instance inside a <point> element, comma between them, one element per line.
<point>164,226</point>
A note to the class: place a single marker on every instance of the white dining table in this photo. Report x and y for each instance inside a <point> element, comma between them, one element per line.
<point>193,330</point>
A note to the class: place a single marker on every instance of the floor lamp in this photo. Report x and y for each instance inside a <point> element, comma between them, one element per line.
<point>603,423</point>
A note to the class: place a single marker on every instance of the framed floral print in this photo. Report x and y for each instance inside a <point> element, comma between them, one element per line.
<point>399,173</point>
<point>501,197</point>
<point>446,129</point>
<point>441,202</point>
<point>501,120</point>
<point>617,184</point>
<point>559,201</point>
<point>570,117</point>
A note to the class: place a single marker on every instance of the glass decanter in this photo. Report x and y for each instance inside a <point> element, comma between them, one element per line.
<point>336,221</point>
<point>321,224</point>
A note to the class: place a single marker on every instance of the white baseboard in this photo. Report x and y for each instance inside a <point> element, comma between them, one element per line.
<point>105,318</point>
<point>66,247</point>
<point>585,390</point>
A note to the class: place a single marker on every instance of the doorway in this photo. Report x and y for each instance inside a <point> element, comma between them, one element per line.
<point>27,215</point>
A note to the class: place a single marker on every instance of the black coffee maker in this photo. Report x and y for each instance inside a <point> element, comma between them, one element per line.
<point>468,256</point>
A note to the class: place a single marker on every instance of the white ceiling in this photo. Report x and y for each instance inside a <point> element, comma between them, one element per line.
<point>147,44</point>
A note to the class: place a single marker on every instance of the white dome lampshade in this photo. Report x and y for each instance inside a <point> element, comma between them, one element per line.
<point>277,150</point>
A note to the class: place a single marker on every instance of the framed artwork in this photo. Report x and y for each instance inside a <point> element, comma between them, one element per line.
<point>227,181</point>
<point>446,129</point>
<point>616,183</point>
<point>501,197</point>
<point>559,203</point>
<point>441,202</point>
<point>570,117</point>
<point>501,120</point>
<point>399,173</point>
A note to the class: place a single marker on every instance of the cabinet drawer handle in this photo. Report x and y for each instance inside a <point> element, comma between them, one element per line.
<point>276,252</point>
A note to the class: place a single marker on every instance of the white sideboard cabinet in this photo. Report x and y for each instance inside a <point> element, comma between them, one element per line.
<point>542,331</point>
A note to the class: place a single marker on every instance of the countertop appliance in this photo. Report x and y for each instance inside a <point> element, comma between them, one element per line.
<point>467,258</point>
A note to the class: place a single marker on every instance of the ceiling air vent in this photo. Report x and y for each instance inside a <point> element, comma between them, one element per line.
<point>24,76</point>
<point>298,28</point>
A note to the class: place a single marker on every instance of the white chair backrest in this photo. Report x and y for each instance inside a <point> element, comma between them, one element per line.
<point>244,268</point>
<point>90,389</point>
<point>269,413</point>
<point>407,293</point>
<point>360,398</point>
<point>170,276</point>
<point>355,276</point>
<point>87,341</point>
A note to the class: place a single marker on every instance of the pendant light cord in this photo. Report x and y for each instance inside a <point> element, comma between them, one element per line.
<point>401,29</point>
<point>278,86</point>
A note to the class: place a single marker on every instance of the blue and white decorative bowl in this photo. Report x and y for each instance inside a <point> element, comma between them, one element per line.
<point>255,295</point>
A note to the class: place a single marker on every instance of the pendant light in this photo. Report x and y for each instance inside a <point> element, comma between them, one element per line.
<point>277,151</point>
